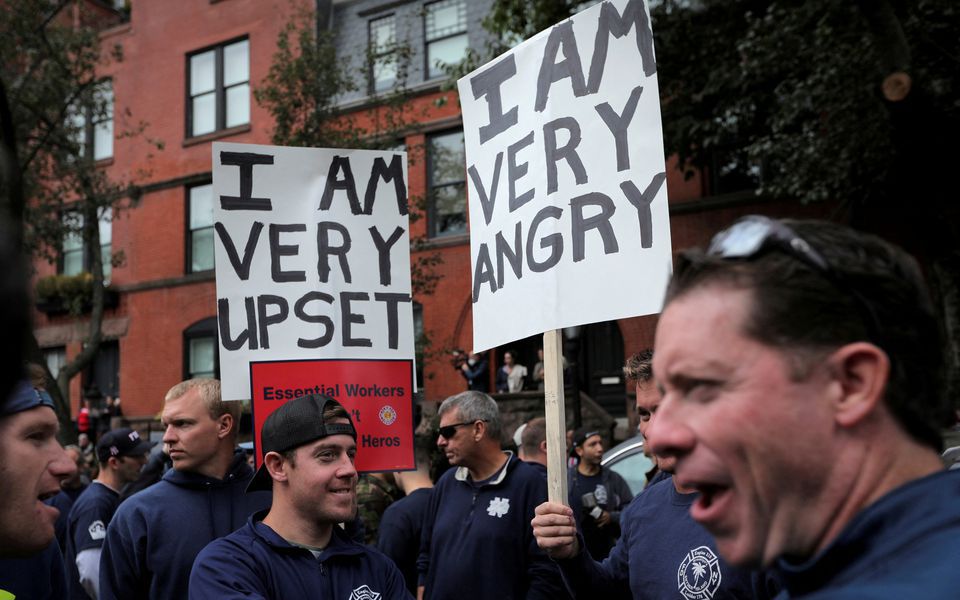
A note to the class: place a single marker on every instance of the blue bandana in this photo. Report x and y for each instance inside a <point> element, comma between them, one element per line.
<point>24,397</point>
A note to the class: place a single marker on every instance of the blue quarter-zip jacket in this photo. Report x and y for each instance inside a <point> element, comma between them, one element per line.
<point>477,540</point>
<point>256,563</point>
<point>906,545</point>
<point>155,534</point>
<point>662,553</point>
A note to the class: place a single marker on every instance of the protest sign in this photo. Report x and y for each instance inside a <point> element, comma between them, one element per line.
<point>313,287</point>
<point>569,221</point>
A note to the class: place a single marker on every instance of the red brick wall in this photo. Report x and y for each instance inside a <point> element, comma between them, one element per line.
<point>150,84</point>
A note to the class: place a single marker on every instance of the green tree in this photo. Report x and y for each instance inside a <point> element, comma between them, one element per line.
<point>302,92</point>
<point>49,92</point>
<point>855,105</point>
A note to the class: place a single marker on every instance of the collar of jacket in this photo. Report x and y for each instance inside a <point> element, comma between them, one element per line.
<point>340,544</point>
<point>463,473</point>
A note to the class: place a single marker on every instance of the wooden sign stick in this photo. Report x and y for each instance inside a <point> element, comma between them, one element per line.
<point>556,416</point>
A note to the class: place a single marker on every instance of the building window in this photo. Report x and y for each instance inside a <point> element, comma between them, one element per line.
<point>219,88</point>
<point>445,34</point>
<point>200,350</point>
<point>75,257</point>
<point>383,59</point>
<point>55,358</point>
<point>200,228</point>
<point>94,123</point>
<point>447,193</point>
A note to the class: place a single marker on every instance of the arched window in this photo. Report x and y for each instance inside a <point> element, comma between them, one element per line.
<point>200,350</point>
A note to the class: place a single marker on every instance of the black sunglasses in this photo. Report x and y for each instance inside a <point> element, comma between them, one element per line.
<point>448,431</point>
<point>752,234</point>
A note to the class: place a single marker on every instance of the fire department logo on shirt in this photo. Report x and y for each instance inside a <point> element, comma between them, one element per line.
<point>96,530</point>
<point>388,415</point>
<point>364,593</point>
<point>600,494</point>
<point>498,507</point>
<point>698,577</point>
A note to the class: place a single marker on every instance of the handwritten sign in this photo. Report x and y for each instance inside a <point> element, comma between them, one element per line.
<point>313,286</point>
<point>569,221</point>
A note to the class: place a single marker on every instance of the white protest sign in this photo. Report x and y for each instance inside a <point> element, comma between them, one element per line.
<point>569,221</point>
<point>312,251</point>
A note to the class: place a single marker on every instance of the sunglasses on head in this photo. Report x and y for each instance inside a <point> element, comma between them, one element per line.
<point>448,431</point>
<point>751,235</point>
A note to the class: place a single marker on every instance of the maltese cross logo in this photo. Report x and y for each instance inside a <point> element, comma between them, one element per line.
<point>364,593</point>
<point>498,507</point>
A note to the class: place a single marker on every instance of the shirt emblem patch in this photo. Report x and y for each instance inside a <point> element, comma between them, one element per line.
<point>364,593</point>
<point>498,507</point>
<point>97,530</point>
<point>698,577</point>
<point>600,494</point>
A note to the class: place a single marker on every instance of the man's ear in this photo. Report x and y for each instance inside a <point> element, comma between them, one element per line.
<point>479,429</point>
<point>861,371</point>
<point>543,446</point>
<point>276,466</point>
<point>224,425</point>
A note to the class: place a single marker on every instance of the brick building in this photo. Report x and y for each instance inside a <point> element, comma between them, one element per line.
<point>188,72</point>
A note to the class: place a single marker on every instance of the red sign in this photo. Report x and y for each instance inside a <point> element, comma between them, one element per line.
<point>377,393</point>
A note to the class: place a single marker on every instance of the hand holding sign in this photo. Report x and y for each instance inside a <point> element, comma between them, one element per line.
<point>569,220</point>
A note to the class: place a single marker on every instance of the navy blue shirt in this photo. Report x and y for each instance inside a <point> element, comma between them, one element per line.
<point>86,529</point>
<point>662,553</point>
<point>155,534</point>
<point>611,494</point>
<point>399,533</point>
<point>477,540</point>
<point>906,545</point>
<point>254,562</point>
<point>39,577</point>
<point>64,502</point>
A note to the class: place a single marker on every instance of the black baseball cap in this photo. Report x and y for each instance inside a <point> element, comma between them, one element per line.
<point>298,422</point>
<point>122,442</point>
<point>581,435</point>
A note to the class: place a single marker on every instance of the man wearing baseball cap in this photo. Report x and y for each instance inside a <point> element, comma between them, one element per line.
<point>597,495</point>
<point>296,549</point>
<point>32,464</point>
<point>121,454</point>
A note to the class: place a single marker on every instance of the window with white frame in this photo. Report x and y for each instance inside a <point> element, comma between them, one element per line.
<point>200,350</point>
<point>219,88</point>
<point>200,228</point>
<point>383,42</point>
<point>75,256</point>
<point>445,34</point>
<point>447,193</point>
<point>93,123</point>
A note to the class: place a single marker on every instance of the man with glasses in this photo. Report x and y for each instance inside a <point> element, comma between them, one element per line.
<point>801,371</point>
<point>476,541</point>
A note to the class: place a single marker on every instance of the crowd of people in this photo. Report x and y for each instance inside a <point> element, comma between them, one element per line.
<point>792,405</point>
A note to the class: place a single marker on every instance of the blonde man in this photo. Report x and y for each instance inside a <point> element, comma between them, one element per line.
<point>156,534</point>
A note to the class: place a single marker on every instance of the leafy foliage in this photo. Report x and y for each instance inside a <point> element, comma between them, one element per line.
<point>785,98</point>
<point>49,93</point>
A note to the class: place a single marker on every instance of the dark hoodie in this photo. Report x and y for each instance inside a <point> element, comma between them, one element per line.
<point>156,534</point>
<point>255,562</point>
